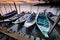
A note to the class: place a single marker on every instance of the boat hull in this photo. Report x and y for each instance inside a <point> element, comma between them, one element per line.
<point>43,24</point>
<point>30,21</point>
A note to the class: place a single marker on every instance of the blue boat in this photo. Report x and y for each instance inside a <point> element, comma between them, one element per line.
<point>30,21</point>
<point>43,24</point>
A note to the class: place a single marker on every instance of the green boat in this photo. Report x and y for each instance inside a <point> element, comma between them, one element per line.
<point>43,24</point>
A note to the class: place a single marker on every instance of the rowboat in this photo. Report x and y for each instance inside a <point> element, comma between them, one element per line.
<point>16,28</point>
<point>22,18</point>
<point>43,24</point>
<point>53,19</point>
<point>30,20</point>
<point>8,15</point>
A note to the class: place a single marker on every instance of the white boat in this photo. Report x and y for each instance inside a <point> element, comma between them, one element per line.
<point>30,21</point>
<point>22,19</point>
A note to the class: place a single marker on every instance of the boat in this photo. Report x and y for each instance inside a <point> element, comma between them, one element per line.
<point>52,18</point>
<point>30,20</point>
<point>6,22</point>
<point>9,20</point>
<point>16,28</point>
<point>43,24</point>
<point>8,15</point>
<point>22,18</point>
<point>23,30</point>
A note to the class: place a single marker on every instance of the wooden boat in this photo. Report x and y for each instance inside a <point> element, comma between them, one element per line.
<point>16,28</point>
<point>8,15</point>
<point>30,21</point>
<point>43,24</point>
<point>52,20</point>
<point>23,30</point>
<point>9,20</point>
<point>22,18</point>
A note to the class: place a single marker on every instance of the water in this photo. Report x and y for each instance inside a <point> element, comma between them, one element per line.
<point>20,29</point>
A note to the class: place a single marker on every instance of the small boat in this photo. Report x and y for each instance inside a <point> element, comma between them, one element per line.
<point>6,22</point>
<point>8,15</point>
<point>9,20</point>
<point>52,18</point>
<point>23,30</point>
<point>22,18</point>
<point>30,21</point>
<point>16,28</point>
<point>43,24</point>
